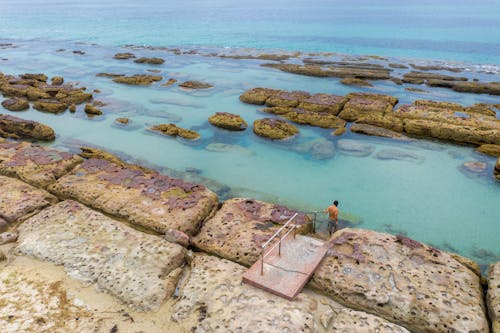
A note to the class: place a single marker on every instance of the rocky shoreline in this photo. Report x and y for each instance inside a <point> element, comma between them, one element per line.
<point>153,251</point>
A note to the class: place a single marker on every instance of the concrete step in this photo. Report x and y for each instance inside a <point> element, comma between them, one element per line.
<point>285,275</point>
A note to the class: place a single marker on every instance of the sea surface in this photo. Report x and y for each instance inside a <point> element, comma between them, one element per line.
<point>426,196</point>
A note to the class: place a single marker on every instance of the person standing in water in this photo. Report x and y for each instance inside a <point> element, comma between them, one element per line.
<point>333,216</point>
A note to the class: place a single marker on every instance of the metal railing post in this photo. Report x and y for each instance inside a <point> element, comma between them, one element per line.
<point>262,263</point>
<point>279,248</point>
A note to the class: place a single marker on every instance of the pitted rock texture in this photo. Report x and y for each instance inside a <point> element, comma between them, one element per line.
<point>29,304</point>
<point>494,296</point>
<point>36,165</point>
<point>215,299</point>
<point>228,121</point>
<point>275,129</point>
<point>144,198</point>
<point>402,280</point>
<point>18,199</point>
<point>362,104</point>
<point>139,269</point>
<point>238,230</point>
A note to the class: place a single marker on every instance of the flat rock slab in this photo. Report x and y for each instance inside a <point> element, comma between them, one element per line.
<point>242,226</point>
<point>402,280</point>
<point>36,165</point>
<point>494,296</point>
<point>213,299</point>
<point>285,271</point>
<point>18,199</point>
<point>139,269</point>
<point>144,198</point>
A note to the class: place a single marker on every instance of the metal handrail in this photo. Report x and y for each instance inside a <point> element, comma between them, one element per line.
<point>276,234</point>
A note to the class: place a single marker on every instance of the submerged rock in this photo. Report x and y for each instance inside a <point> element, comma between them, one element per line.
<point>274,129</point>
<point>139,269</point>
<point>123,121</point>
<point>355,82</point>
<point>493,296</point>
<point>16,104</point>
<point>228,121</point>
<point>17,128</point>
<point>224,147</point>
<point>237,231</point>
<point>320,149</point>
<point>138,79</point>
<point>142,197</point>
<point>257,96</point>
<point>150,61</point>
<point>377,131</point>
<point>334,71</point>
<point>403,281</point>
<point>173,130</point>
<point>19,200</point>
<point>169,82</point>
<point>195,85</point>
<point>355,148</point>
<point>397,154</point>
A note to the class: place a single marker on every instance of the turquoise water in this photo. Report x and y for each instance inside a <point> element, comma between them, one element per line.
<point>426,196</point>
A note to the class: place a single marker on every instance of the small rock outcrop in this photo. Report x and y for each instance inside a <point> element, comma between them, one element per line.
<point>142,197</point>
<point>92,110</point>
<point>138,79</point>
<point>124,56</point>
<point>349,81</point>
<point>362,104</point>
<point>493,150</point>
<point>402,280</point>
<point>16,104</point>
<point>493,296</point>
<point>229,121</point>
<point>149,61</point>
<point>377,131</point>
<point>173,130</point>
<point>17,128</point>
<point>274,129</point>
<point>139,269</point>
<point>50,106</point>
<point>241,226</point>
<point>195,85</point>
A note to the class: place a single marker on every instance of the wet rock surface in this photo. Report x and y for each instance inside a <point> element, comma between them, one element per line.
<point>143,198</point>
<point>362,104</point>
<point>124,55</point>
<point>241,226</point>
<point>173,130</point>
<point>17,128</point>
<point>496,171</point>
<point>493,150</point>
<point>304,117</point>
<point>19,200</point>
<point>16,104</point>
<point>334,71</point>
<point>493,296</point>
<point>36,165</point>
<point>92,110</point>
<point>402,280</point>
<point>228,121</point>
<point>195,85</point>
<point>149,61</point>
<point>139,269</point>
<point>274,129</point>
<point>377,131</point>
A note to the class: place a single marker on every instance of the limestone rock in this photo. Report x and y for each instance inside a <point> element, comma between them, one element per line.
<point>149,61</point>
<point>402,280</point>
<point>19,200</point>
<point>377,131</point>
<point>169,82</point>
<point>363,104</point>
<point>147,199</point>
<point>4,225</point>
<point>257,95</point>
<point>130,265</point>
<point>125,55</point>
<point>489,149</point>
<point>195,85</point>
<point>355,148</point>
<point>37,77</point>
<point>421,77</point>
<point>57,80</point>
<point>228,121</point>
<point>35,94</point>
<point>36,165</point>
<point>138,79</point>
<point>123,121</point>
<point>323,103</point>
<point>14,127</point>
<point>176,236</point>
<point>214,300</point>
<point>173,130</point>
<point>8,237</point>
<point>73,96</point>
<point>92,110</point>
<point>50,106</point>
<point>274,129</point>
<point>496,171</point>
<point>16,104</point>
<point>481,108</point>
<point>333,71</point>
<point>287,99</point>
<point>241,226</point>
<point>493,296</point>
<point>304,117</point>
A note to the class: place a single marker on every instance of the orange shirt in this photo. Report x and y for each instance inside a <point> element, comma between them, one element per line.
<point>333,211</point>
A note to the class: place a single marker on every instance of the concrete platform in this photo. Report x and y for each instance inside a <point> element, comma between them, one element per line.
<point>287,274</point>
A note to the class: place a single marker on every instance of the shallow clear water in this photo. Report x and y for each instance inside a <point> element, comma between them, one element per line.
<point>426,196</point>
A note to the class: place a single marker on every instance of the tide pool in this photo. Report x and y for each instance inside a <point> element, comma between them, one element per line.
<point>424,195</point>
